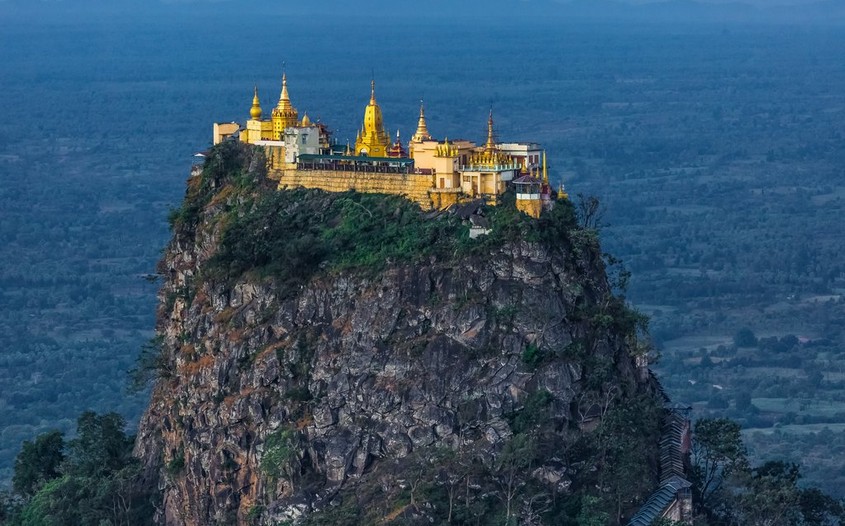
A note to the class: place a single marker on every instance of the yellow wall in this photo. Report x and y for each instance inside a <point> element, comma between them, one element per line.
<point>257,131</point>
<point>423,154</point>
<point>223,130</point>
<point>445,168</point>
<point>414,186</point>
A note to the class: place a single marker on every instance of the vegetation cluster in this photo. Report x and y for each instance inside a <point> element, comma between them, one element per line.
<point>91,479</point>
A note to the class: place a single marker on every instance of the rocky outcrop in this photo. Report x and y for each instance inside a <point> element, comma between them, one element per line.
<point>276,403</point>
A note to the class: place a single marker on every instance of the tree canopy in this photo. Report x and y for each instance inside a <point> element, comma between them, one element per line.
<point>90,480</point>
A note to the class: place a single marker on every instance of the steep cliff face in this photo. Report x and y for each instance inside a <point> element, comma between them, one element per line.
<point>490,378</point>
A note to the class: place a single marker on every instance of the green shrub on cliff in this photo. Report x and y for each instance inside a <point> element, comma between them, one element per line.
<point>290,235</point>
<point>279,454</point>
<point>228,164</point>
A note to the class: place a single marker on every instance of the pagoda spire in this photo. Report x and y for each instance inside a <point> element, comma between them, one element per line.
<point>255,112</point>
<point>284,115</point>
<point>372,140</point>
<point>422,129</point>
<point>490,145</point>
<point>284,98</point>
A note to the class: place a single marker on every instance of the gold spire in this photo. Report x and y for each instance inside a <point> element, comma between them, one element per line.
<point>306,121</point>
<point>372,140</point>
<point>545,171</point>
<point>422,129</point>
<point>284,115</point>
<point>255,111</point>
<point>490,145</point>
<point>284,98</point>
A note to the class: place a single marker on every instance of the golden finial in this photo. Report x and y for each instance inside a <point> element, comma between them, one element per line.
<point>373,91</point>
<point>255,111</point>
<point>306,121</point>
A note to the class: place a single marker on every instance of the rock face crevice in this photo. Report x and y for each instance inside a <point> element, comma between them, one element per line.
<point>276,401</point>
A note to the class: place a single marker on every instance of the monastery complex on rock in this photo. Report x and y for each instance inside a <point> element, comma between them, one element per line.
<point>436,174</point>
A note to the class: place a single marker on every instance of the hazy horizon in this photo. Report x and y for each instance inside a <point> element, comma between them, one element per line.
<point>524,13</point>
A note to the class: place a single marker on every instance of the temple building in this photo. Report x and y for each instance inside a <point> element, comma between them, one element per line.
<point>434,173</point>
<point>284,115</point>
<point>397,150</point>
